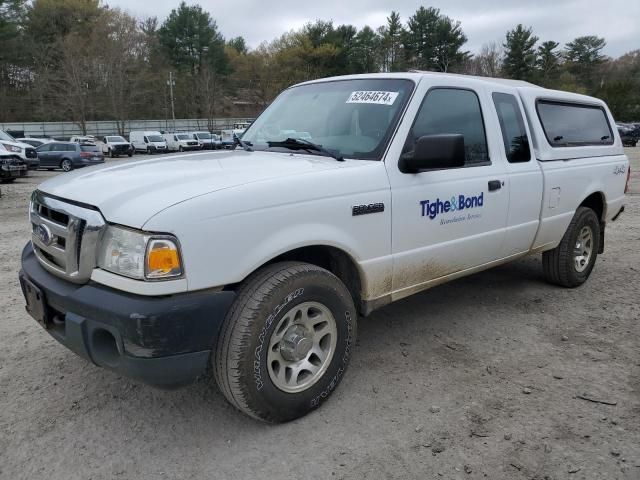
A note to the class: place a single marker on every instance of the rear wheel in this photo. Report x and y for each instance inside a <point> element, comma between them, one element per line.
<point>286,341</point>
<point>66,165</point>
<point>570,263</point>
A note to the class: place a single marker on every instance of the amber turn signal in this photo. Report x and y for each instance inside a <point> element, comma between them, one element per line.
<point>163,259</point>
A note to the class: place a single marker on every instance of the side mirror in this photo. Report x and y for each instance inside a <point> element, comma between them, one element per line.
<point>432,152</point>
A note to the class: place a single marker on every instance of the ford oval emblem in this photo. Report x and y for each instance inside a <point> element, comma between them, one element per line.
<point>44,234</point>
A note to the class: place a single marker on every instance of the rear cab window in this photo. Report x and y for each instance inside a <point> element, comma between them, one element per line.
<point>567,124</point>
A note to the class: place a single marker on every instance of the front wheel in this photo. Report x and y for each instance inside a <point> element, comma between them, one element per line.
<point>570,263</point>
<point>66,165</point>
<point>286,341</point>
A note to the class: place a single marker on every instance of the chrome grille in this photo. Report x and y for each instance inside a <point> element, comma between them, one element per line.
<point>65,236</point>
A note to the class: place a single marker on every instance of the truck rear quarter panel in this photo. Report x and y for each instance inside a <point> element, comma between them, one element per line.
<point>571,174</point>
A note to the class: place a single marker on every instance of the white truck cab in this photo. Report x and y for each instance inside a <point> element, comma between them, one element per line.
<point>26,152</point>
<point>347,194</point>
<point>116,145</point>
<point>227,137</point>
<point>147,141</point>
<point>180,142</point>
<point>83,139</point>
<point>207,140</point>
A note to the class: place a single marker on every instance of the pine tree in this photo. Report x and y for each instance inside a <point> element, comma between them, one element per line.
<point>520,55</point>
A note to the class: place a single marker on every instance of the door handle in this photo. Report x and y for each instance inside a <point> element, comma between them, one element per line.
<point>494,185</point>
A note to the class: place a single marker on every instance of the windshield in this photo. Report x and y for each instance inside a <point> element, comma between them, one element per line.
<point>155,138</point>
<point>203,136</point>
<point>353,118</point>
<point>183,137</point>
<point>115,139</point>
<point>6,137</point>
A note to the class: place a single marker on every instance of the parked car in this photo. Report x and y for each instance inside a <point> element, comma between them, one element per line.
<point>26,152</point>
<point>115,145</point>
<point>179,142</point>
<point>69,155</point>
<point>35,142</point>
<point>629,134</point>
<point>259,264</point>
<point>147,141</point>
<point>11,167</point>
<point>208,141</point>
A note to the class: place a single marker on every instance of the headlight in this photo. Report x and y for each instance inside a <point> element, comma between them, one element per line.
<point>139,255</point>
<point>12,148</point>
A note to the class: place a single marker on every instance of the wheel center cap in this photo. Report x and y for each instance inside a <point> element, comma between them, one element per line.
<point>296,343</point>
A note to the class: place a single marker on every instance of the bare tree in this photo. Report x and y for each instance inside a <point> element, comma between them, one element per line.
<point>117,50</point>
<point>73,86</point>
<point>490,60</point>
<point>208,88</point>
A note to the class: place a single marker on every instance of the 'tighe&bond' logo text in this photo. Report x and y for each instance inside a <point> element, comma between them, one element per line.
<point>432,209</point>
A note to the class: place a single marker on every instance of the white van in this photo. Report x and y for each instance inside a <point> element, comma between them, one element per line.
<point>147,141</point>
<point>180,142</point>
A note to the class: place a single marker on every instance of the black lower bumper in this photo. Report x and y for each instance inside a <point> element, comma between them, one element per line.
<point>163,341</point>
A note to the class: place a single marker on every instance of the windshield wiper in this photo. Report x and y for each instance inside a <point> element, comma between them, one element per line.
<point>301,144</point>
<point>238,141</point>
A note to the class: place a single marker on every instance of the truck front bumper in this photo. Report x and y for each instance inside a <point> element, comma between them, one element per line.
<point>163,341</point>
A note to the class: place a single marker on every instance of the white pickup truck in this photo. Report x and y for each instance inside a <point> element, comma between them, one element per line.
<point>259,261</point>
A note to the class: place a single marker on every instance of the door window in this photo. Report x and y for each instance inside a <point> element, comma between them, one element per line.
<point>514,134</point>
<point>452,110</point>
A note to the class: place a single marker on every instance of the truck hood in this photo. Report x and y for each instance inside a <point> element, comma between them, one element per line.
<point>130,192</point>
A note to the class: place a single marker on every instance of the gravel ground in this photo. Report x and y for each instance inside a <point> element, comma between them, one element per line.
<point>479,378</point>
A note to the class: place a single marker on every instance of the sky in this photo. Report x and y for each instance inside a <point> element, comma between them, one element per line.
<point>483,21</point>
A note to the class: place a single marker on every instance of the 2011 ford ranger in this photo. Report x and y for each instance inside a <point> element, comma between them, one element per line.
<point>349,193</point>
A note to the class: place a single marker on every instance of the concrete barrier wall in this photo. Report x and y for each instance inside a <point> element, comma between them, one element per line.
<point>67,129</point>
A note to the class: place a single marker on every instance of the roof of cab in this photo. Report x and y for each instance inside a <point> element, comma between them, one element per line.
<point>526,88</point>
<point>416,75</point>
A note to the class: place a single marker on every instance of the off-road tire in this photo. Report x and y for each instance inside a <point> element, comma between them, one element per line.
<point>559,264</point>
<point>240,359</point>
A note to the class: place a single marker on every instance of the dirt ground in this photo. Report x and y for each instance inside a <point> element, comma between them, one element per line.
<point>479,378</point>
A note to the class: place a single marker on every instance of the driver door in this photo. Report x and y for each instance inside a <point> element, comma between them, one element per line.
<point>446,221</point>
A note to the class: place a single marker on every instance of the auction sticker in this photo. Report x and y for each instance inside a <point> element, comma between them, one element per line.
<point>375,97</point>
